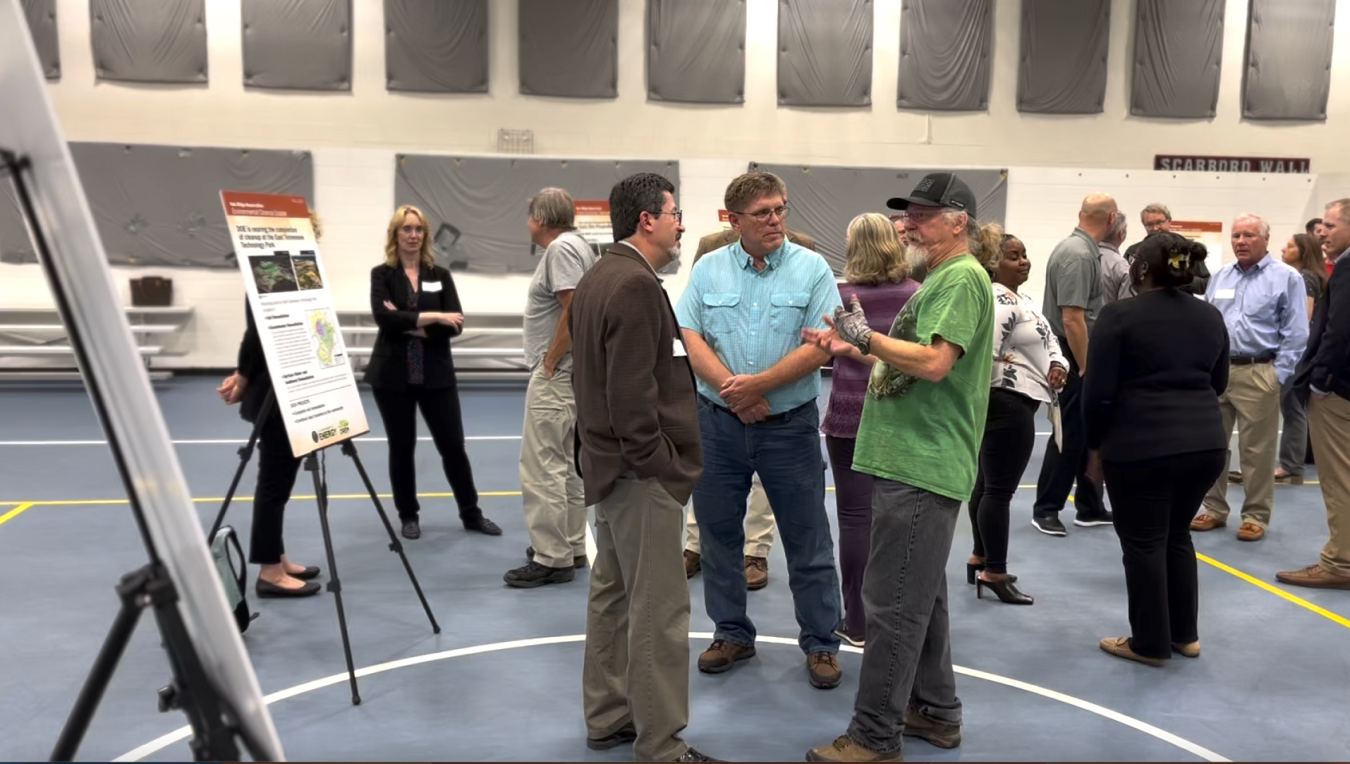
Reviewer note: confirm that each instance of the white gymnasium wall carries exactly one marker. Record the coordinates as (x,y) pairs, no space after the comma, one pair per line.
(354,137)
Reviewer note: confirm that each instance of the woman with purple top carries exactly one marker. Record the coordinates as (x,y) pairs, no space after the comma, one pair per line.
(875,271)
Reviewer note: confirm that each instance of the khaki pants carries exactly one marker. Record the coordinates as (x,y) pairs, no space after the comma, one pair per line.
(1253,400)
(636,666)
(759,524)
(1329,424)
(551,492)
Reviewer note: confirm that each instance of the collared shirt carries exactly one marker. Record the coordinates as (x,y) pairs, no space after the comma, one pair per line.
(1115,274)
(752,318)
(1073,278)
(1264,310)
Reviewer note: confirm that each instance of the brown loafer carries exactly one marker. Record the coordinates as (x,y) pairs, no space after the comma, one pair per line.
(1120,647)
(1314,576)
(1250,532)
(1282,477)
(1206,522)
(756,573)
(1235,477)
(693,563)
(1187,649)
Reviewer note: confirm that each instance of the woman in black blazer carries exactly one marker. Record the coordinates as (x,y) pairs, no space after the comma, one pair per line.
(418,311)
(1158,363)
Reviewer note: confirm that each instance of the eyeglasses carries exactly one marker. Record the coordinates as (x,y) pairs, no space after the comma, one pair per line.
(412,229)
(679,214)
(762,216)
(923,216)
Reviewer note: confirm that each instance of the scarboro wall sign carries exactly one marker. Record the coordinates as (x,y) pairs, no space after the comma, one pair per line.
(1196,163)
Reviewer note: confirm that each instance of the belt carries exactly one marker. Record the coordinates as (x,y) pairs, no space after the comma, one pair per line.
(770,418)
(1249,360)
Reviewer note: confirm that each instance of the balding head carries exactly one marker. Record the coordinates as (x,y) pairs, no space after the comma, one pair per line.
(1098,214)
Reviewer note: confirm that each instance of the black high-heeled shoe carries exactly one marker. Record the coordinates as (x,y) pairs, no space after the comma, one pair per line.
(1006,590)
(973,568)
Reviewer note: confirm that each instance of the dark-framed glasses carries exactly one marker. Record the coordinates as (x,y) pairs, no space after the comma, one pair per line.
(762,216)
(679,214)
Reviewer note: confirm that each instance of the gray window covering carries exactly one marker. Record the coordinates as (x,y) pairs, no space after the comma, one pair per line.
(1062,69)
(1288,70)
(41,16)
(476,206)
(149,40)
(944,54)
(825,52)
(1178,49)
(160,205)
(824,200)
(569,48)
(436,46)
(298,44)
(696,51)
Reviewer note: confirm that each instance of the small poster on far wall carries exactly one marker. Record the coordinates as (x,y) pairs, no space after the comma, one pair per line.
(1209,233)
(592,221)
(723,220)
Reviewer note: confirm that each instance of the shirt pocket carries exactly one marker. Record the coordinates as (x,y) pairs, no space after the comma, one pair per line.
(787,311)
(720,312)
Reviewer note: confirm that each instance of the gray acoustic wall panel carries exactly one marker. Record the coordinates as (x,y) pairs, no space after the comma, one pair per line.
(944,54)
(436,46)
(825,199)
(696,51)
(825,52)
(149,40)
(15,246)
(298,44)
(1062,66)
(41,16)
(569,48)
(1288,69)
(1178,51)
(160,205)
(476,206)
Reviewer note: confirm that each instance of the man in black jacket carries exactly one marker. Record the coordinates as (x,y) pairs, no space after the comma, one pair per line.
(1323,381)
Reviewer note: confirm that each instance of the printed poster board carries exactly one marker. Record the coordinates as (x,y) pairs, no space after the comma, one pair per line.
(592,221)
(312,378)
(1210,234)
(723,220)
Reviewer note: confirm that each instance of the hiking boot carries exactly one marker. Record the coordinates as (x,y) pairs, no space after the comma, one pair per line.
(932,731)
(822,668)
(844,748)
(534,575)
(578,561)
(721,655)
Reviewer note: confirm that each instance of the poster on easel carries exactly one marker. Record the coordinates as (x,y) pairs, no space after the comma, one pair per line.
(592,221)
(723,220)
(1209,233)
(312,378)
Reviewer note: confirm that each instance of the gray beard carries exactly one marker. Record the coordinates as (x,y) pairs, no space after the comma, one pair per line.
(674,265)
(916,257)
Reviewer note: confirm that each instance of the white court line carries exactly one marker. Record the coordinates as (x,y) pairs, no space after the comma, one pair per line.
(241,441)
(417,660)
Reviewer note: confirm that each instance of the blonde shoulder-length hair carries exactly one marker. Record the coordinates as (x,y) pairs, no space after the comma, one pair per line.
(391,237)
(875,254)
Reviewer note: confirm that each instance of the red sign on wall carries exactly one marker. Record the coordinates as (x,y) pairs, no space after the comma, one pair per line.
(1196,163)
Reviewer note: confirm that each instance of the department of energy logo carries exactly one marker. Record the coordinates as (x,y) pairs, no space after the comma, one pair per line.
(322,435)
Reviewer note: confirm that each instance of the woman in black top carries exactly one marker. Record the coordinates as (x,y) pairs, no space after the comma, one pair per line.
(1151,403)
(418,311)
(1304,253)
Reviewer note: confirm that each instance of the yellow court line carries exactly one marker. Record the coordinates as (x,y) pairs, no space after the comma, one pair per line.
(13,513)
(1277,591)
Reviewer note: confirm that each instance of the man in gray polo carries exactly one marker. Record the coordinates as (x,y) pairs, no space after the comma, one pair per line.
(1073,297)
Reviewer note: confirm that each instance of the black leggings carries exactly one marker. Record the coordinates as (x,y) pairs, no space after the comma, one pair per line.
(1009,434)
(277,468)
(440,409)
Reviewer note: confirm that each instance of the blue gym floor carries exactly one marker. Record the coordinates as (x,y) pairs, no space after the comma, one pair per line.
(504,683)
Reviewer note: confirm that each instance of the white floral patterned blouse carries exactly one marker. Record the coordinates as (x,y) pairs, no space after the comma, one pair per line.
(1024,346)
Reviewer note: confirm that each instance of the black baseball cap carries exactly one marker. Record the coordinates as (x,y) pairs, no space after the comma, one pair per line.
(938,189)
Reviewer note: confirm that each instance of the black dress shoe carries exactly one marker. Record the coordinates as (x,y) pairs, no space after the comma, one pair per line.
(411,530)
(579,561)
(482,525)
(268,589)
(625,734)
(308,573)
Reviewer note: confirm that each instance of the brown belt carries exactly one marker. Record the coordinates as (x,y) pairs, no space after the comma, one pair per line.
(1241,361)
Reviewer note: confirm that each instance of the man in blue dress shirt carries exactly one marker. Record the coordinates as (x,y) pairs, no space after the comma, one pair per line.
(1262,302)
(742,316)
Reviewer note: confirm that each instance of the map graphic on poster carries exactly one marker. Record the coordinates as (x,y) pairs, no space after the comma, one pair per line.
(283,272)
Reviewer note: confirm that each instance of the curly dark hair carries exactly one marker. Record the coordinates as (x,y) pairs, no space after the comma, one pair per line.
(1169,257)
(634,195)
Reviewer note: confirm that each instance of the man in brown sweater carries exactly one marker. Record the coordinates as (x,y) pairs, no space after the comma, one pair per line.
(640,455)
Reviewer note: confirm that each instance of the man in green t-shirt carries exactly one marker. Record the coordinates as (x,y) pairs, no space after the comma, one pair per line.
(920,436)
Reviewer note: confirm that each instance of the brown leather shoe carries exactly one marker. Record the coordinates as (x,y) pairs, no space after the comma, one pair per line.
(1314,576)
(1235,477)
(1282,477)
(1250,532)
(1120,647)
(844,748)
(721,655)
(756,572)
(1206,522)
(940,734)
(823,670)
(1187,649)
(692,563)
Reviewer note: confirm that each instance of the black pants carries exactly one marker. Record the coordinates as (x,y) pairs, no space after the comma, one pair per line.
(277,468)
(853,503)
(440,409)
(1154,502)
(1060,469)
(1009,435)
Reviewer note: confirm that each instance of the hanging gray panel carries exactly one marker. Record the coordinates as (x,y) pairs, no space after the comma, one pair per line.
(944,54)
(1062,68)
(1288,70)
(41,16)
(297,44)
(15,246)
(149,40)
(436,46)
(1178,49)
(476,206)
(824,52)
(824,200)
(569,48)
(696,51)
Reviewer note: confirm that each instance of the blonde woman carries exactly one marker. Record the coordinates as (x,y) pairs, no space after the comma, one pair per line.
(418,311)
(876,271)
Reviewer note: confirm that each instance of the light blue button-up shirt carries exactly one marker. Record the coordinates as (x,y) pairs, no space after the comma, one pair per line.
(752,318)
(1265,311)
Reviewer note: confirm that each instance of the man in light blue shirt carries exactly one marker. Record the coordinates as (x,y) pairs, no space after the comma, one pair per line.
(1262,302)
(741,316)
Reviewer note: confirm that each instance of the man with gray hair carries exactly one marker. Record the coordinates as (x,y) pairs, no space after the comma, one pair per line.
(1115,271)
(551,491)
(1263,306)
(1156,219)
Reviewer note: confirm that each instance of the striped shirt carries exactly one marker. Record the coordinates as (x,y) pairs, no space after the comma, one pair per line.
(752,318)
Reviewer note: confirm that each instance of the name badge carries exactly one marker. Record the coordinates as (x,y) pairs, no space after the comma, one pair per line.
(679,349)
(1225,294)
(435,286)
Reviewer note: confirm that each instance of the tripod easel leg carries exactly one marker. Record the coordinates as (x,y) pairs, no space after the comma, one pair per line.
(334,583)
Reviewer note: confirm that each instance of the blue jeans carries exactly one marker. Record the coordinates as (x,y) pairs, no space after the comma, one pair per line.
(786,454)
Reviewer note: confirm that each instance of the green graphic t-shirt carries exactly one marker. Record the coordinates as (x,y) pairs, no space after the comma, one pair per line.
(927,434)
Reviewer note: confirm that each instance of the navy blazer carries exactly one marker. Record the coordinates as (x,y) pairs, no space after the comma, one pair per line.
(1326,363)
(388,366)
